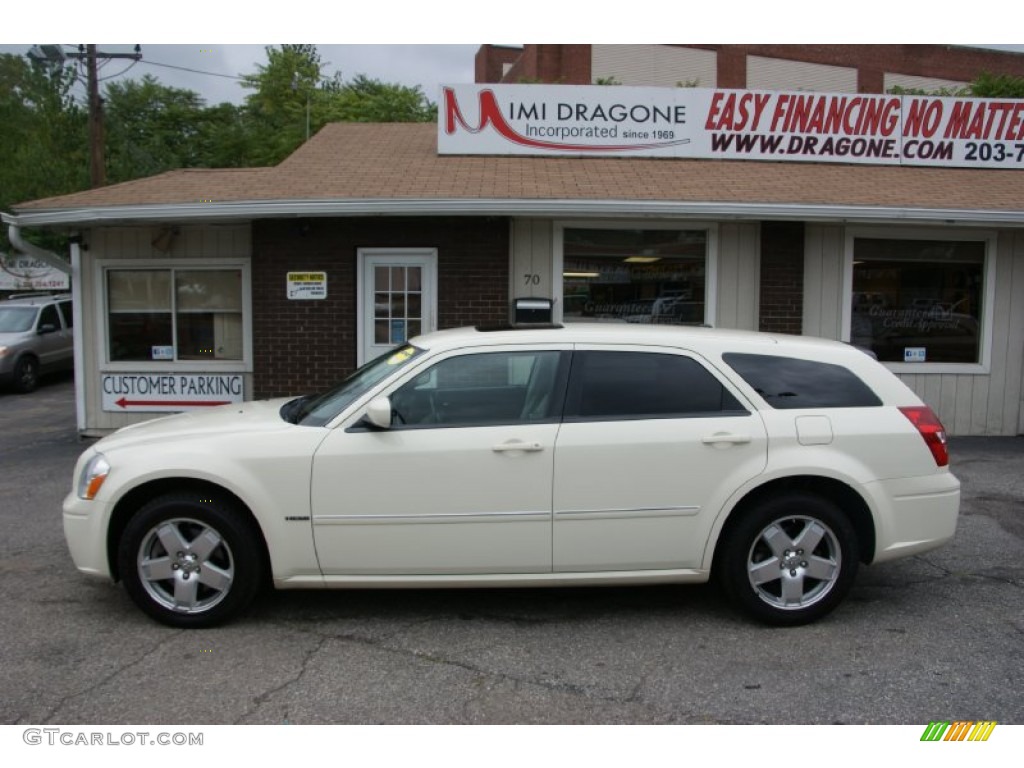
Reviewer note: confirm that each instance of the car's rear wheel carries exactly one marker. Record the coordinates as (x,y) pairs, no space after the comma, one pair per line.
(190,560)
(790,560)
(26,374)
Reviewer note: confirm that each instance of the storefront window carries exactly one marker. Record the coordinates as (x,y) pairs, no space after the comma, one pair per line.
(917,301)
(634,275)
(174,314)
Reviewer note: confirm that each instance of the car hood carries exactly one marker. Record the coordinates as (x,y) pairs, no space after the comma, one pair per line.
(11,337)
(262,416)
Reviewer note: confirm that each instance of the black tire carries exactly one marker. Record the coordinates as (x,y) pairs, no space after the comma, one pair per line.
(190,560)
(26,374)
(790,559)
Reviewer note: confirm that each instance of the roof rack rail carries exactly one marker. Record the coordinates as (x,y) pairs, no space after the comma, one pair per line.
(30,295)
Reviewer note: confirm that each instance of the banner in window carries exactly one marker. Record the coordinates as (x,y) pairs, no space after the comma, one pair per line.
(619,121)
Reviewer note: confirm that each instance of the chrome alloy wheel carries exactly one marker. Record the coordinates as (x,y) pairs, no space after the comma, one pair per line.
(794,562)
(185,565)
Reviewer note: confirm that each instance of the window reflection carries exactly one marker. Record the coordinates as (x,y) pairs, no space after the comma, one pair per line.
(635,276)
(918,300)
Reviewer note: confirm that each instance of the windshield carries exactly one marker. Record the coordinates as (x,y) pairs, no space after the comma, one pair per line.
(16,319)
(317,410)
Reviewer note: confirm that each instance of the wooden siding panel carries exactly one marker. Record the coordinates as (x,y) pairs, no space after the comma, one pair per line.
(823,281)
(1013,397)
(727,299)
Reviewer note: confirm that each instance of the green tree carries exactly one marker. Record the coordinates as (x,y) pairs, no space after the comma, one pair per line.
(992,86)
(44,149)
(277,107)
(292,92)
(152,128)
(44,146)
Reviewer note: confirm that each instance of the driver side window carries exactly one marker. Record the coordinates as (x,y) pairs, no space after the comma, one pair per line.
(488,388)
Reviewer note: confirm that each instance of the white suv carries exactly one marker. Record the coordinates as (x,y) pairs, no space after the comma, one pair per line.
(584,455)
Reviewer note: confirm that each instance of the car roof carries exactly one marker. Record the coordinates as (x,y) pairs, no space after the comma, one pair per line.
(34,300)
(698,339)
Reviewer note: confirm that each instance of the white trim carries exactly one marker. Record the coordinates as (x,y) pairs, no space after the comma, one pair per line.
(79,333)
(710,256)
(429,297)
(103,362)
(533,207)
(918,233)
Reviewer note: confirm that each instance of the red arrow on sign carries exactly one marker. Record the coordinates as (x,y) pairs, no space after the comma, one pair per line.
(124,403)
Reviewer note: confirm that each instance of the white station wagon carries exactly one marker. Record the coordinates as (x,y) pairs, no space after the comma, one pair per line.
(583,455)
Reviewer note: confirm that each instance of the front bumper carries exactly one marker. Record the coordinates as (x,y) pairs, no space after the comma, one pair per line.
(85,533)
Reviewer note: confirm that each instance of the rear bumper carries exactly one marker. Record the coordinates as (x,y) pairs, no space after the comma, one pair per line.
(914,514)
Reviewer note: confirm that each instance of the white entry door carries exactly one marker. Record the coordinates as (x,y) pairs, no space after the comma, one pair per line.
(397,297)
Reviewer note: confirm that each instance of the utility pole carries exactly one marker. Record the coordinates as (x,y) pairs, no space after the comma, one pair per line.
(97,169)
(97,165)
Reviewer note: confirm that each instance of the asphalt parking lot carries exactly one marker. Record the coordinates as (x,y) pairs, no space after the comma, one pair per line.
(935,637)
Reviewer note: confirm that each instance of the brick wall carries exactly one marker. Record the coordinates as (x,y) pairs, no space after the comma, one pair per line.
(571,64)
(782,277)
(562,64)
(307,346)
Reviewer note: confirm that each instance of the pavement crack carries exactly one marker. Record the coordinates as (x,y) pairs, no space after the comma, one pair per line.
(100,683)
(259,700)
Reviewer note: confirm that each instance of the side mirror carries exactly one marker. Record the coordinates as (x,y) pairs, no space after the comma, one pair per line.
(47,328)
(378,412)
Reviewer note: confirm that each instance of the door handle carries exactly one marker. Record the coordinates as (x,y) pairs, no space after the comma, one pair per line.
(724,438)
(517,445)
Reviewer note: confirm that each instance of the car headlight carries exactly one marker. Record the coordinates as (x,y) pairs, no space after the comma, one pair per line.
(4,351)
(92,477)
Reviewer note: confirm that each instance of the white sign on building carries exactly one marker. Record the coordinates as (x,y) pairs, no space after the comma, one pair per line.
(709,123)
(156,392)
(23,273)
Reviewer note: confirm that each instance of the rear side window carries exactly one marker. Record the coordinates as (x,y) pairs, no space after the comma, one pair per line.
(642,385)
(786,382)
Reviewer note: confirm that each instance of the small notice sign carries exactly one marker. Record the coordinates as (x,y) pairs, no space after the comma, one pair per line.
(307,285)
(914,354)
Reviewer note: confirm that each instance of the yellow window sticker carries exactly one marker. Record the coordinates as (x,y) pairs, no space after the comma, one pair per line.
(401,356)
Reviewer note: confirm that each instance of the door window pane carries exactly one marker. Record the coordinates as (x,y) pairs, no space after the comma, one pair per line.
(487,388)
(640,385)
(635,276)
(918,300)
(397,304)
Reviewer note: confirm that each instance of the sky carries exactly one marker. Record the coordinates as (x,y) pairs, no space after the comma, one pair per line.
(428,44)
(217,67)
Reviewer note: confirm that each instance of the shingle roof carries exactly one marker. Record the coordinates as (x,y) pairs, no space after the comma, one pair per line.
(368,161)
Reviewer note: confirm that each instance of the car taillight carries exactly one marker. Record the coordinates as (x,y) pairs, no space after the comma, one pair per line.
(931,429)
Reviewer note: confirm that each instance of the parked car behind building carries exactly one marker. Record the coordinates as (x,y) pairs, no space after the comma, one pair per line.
(36,338)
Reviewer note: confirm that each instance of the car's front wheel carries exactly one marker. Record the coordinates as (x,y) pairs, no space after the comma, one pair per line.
(790,559)
(190,560)
(26,374)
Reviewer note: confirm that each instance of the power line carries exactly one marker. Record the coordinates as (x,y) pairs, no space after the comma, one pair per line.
(188,69)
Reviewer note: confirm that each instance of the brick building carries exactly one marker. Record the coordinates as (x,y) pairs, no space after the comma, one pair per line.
(835,68)
(198,286)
